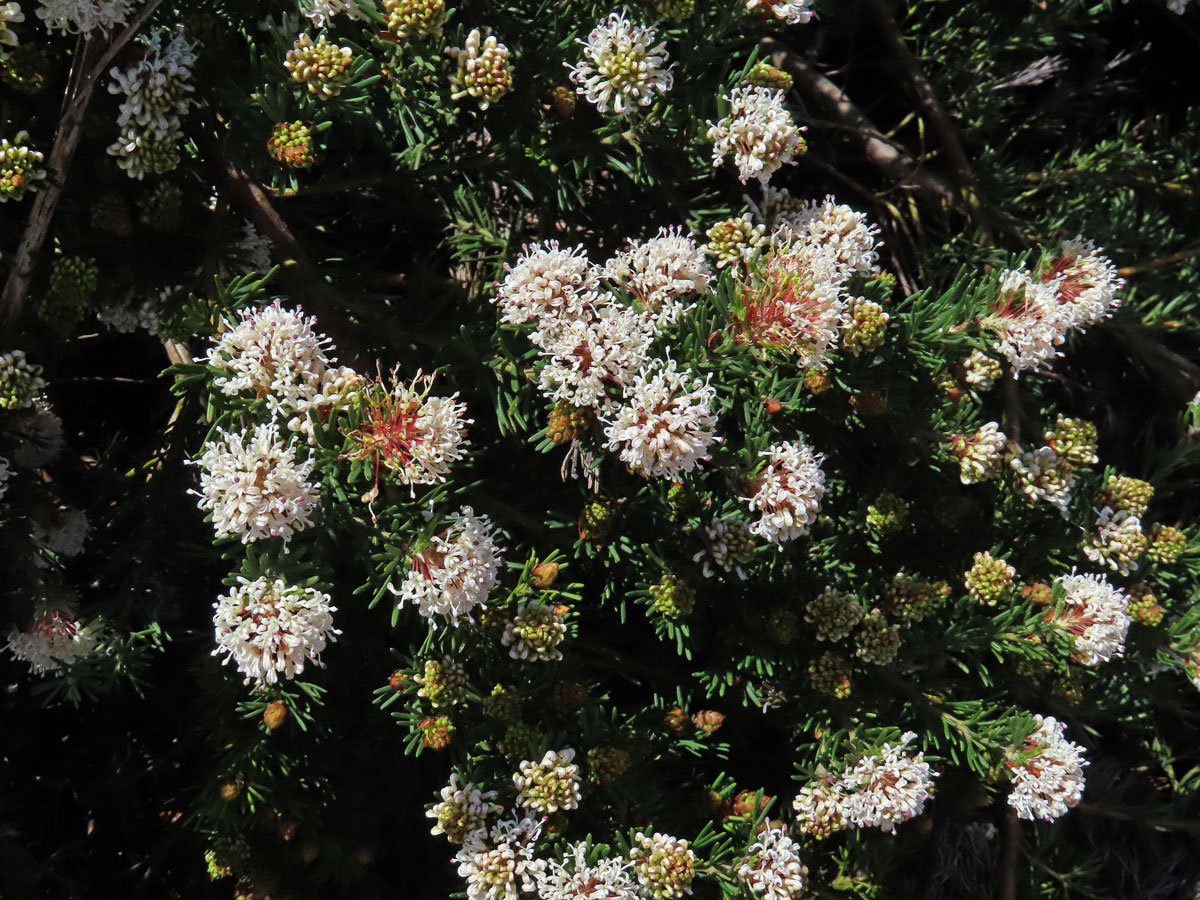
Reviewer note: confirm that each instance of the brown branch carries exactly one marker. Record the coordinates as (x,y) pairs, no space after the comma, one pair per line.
(1007,886)
(85,76)
(960,167)
(299,276)
(1012,408)
(1161,262)
(821,93)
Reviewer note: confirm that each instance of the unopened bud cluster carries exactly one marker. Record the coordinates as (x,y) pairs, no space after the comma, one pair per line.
(20,168)
(865,326)
(887,514)
(878,642)
(1167,544)
(549,785)
(73,281)
(291,145)
(1074,440)
(437,732)
(735,241)
(20,382)
(665,866)
(442,682)
(568,422)
(830,674)
(835,613)
(322,67)
(763,74)
(1131,495)
(596,521)
(535,632)
(606,764)
(161,208)
(989,580)
(483,73)
(980,455)
(1144,607)
(912,599)
(980,371)
(673,597)
(503,704)
(674,10)
(415,18)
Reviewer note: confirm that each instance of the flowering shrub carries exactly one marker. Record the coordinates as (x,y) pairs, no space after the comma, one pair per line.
(633,524)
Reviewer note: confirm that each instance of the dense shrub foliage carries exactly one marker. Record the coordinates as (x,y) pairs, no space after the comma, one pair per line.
(529,448)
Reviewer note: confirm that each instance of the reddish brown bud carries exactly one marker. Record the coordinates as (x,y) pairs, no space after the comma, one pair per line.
(676,720)
(709,720)
(772,406)
(274,714)
(544,574)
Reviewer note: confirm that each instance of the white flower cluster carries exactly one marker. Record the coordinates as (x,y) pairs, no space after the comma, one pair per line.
(727,546)
(590,342)
(759,132)
(534,632)
(463,809)
(980,455)
(545,282)
(788,493)
(1118,540)
(255,486)
(665,423)
(1044,477)
(821,807)
(576,879)
(658,272)
(549,785)
(771,868)
(272,353)
(413,434)
(9,12)
(128,317)
(796,303)
(252,253)
(881,790)
(64,535)
(844,233)
(267,627)
(794,12)
(155,90)
(621,66)
(499,863)
(1047,773)
(321,11)
(603,344)
(53,642)
(1036,312)
(665,865)
(1095,614)
(453,573)
(83,16)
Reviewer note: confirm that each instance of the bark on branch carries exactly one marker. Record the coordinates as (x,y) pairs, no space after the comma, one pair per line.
(94,56)
(947,135)
(822,94)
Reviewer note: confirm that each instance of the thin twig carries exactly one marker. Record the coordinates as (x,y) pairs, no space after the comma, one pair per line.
(1012,408)
(1161,262)
(1007,887)
(818,91)
(960,166)
(78,95)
